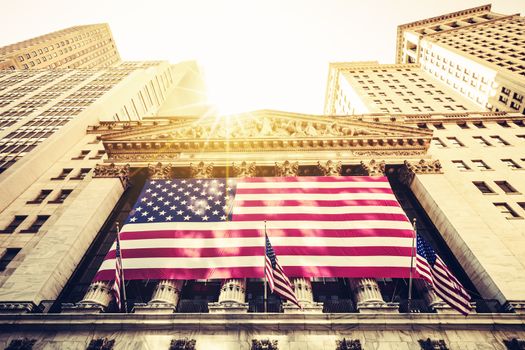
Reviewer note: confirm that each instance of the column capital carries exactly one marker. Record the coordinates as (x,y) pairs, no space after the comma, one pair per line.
(373,167)
(164,299)
(244,169)
(330,168)
(160,171)
(287,168)
(113,170)
(201,170)
(423,166)
(96,300)
(231,298)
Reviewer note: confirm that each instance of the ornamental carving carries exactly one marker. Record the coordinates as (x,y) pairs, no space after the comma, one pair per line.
(160,171)
(286,168)
(515,344)
(183,344)
(373,167)
(113,170)
(244,169)
(408,172)
(344,344)
(330,168)
(101,344)
(430,344)
(389,153)
(201,170)
(264,344)
(21,344)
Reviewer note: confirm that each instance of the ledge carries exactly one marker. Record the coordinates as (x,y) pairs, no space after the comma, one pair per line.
(264,322)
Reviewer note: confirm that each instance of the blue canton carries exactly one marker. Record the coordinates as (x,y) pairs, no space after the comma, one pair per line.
(425,250)
(184,200)
(270,253)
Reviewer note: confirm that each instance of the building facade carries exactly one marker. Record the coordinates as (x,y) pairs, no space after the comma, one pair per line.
(76,47)
(455,166)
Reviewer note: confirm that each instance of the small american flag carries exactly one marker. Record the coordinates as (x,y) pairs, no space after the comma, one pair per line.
(118,273)
(432,269)
(277,280)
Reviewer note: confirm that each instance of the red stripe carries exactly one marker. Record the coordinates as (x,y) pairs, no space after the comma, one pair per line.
(259,252)
(316,179)
(159,234)
(256,272)
(318,190)
(317,203)
(319,217)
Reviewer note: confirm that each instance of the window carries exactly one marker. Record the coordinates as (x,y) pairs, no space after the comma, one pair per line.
(99,155)
(65,172)
(61,197)
(479,125)
(478,163)
(36,225)
(81,174)
(82,155)
(483,187)
(463,125)
(439,126)
(499,140)
(511,164)
(522,205)
(460,165)
(506,210)
(455,142)
(503,124)
(40,198)
(438,143)
(481,140)
(9,255)
(520,123)
(506,187)
(14,224)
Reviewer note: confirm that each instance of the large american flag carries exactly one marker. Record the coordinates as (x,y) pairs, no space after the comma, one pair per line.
(333,226)
(433,269)
(277,279)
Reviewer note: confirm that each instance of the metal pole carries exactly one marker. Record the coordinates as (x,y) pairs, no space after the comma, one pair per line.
(122,272)
(411,264)
(265,297)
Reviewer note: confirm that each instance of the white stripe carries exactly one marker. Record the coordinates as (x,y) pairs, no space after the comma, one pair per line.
(318,210)
(272,225)
(249,261)
(314,196)
(237,242)
(313,184)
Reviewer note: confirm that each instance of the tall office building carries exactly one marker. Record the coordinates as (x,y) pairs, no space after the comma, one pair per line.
(454,166)
(479,53)
(76,47)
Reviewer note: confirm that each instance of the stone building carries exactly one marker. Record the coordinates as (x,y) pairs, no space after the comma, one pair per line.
(457,171)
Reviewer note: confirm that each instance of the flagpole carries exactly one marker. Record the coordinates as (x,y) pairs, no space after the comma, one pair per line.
(122,272)
(265,297)
(411,264)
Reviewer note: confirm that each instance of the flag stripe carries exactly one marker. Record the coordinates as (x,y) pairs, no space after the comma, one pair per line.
(271,190)
(370,210)
(370,180)
(316,203)
(317,217)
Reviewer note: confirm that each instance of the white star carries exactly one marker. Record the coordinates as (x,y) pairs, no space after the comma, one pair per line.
(174,185)
(154,194)
(180,212)
(186,218)
(215,212)
(162,212)
(164,190)
(203,193)
(205,218)
(183,181)
(148,190)
(190,185)
(199,181)
(170,194)
(198,212)
(168,182)
(167,203)
(210,198)
(143,199)
(196,189)
(207,207)
(228,189)
(160,199)
(186,193)
(177,198)
(151,218)
(183,202)
(205,184)
(156,208)
(180,189)
(169,217)
(153,182)
(138,208)
(223,217)
(133,219)
(217,202)
(221,185)
(193,198)
(158,186)
(145,213)
(190,207)
(173,207)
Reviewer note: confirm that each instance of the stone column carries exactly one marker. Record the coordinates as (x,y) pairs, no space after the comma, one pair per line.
(366,291)
(433,301)
(166,294)
(232,297)
(99,295)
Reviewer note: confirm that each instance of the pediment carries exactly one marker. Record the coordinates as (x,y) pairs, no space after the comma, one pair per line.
(266,130)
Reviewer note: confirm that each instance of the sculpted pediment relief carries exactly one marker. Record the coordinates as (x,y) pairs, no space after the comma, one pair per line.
(267,130)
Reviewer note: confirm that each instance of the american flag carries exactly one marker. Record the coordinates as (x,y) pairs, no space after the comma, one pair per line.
(277,280)
(118,274)
(433,270)
(333,226)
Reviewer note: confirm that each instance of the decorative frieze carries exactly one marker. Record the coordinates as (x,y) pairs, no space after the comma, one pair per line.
(430,344)
(286,168)
(330,168)
(160,171)
(424,166)
(113,170)
(18,307)
(373,167)
(101,344)
(518,306)
(21,344)
(201,170)
(183,344)
(244,169)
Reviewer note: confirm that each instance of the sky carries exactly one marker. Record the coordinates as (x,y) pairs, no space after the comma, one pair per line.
(268,54)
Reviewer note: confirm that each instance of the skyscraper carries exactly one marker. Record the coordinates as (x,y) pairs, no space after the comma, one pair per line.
(477,52)
(76,47)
